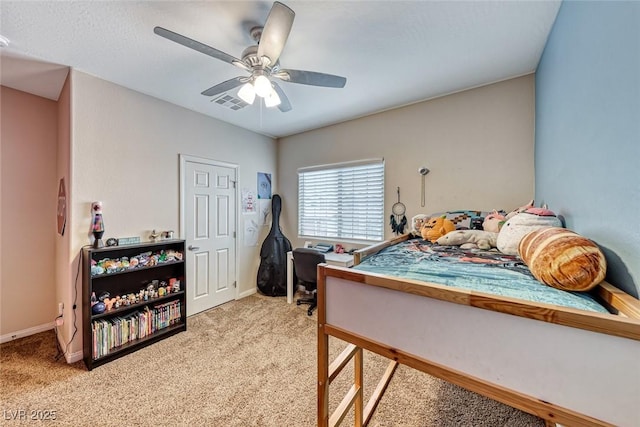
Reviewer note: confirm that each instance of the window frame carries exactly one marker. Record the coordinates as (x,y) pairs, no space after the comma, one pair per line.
(351,169)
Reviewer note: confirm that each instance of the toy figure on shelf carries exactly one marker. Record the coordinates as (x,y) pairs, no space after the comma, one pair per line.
(97,224)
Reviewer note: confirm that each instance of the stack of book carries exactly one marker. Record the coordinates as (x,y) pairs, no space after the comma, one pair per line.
(109,334)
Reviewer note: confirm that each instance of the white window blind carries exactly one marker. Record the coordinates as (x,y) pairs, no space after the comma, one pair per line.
(342,201)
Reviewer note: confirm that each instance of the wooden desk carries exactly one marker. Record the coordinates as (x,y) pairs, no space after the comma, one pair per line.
(332,258)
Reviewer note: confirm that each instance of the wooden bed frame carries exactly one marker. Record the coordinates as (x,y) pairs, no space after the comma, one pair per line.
(567,366)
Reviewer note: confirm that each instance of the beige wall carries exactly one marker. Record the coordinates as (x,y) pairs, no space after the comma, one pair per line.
(125,148)
(64,266)
(478,145)
(122,147)
(29,201)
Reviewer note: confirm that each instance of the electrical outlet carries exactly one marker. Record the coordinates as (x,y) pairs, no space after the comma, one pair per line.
(60,308)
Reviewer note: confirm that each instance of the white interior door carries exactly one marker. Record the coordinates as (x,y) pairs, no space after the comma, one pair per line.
(208,224)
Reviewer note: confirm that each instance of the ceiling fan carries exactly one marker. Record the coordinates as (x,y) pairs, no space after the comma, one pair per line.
(261,62)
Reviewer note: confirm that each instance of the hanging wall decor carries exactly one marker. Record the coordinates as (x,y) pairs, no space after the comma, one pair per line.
(423,171)
(62,207)
(398,220)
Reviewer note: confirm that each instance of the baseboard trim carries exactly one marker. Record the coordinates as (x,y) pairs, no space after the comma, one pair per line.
(26,332)
(247,293)
(74,357)
(70,358)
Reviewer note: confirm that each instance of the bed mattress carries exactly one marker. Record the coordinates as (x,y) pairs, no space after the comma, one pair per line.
(487,271)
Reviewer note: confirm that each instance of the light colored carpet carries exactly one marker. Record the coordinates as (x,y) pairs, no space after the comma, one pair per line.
(250,362)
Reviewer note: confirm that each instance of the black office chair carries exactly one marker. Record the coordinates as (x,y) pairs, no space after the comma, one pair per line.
(305,262)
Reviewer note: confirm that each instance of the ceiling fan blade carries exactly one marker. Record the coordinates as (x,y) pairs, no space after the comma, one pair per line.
(310,78)
(200,47)
(285,105)
(225,86)
(275,32)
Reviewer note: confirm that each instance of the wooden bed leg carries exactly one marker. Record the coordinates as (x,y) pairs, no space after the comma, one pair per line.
(548,423)
(323,386)
(359,404)
(323,354)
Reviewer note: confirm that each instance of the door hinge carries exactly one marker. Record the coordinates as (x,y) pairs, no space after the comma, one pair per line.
(234,283)
(234,184)
(234,234)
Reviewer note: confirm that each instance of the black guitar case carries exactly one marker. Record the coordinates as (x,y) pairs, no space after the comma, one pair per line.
(272,273)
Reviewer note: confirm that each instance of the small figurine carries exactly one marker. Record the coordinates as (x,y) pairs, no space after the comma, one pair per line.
(98,307)
(96,270)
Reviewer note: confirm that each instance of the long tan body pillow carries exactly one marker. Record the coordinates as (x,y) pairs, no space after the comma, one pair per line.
(563,259)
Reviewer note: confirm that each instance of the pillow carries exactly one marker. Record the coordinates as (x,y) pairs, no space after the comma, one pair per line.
(563,259)
(519,225)
(463,219)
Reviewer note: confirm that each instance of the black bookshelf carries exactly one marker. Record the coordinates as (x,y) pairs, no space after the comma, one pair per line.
(143,318)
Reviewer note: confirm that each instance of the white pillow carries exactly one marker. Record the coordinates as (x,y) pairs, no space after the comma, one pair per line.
(522,224)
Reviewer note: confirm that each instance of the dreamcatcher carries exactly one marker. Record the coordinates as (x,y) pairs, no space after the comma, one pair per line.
(398,219)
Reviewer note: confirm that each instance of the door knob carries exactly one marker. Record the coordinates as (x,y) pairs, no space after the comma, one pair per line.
(193,248)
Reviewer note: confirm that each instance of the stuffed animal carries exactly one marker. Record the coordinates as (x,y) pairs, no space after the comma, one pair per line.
(519,210)
(493,222)
(435,228)
(523,223)
(469,239)
(417,222)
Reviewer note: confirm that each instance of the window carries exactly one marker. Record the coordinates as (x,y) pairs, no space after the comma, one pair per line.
(342,201)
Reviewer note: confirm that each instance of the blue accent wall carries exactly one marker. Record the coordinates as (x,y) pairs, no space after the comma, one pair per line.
(587,152)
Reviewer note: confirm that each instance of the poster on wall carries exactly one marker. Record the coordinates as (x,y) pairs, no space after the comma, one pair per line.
(264,185)
(62,207)
(264,212)
(248,201)
(251,233)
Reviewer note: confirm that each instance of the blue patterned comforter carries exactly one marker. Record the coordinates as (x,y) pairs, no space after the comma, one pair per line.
(490,272)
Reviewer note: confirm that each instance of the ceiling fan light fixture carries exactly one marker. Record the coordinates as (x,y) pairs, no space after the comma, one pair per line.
(272,100)
(262,86)
(261,61)
(247,93)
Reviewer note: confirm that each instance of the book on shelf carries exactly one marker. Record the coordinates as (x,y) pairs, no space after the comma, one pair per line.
(109,334)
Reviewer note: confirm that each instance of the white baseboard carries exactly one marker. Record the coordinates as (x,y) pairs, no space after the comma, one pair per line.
(247,293)
(26,332)
(73,357)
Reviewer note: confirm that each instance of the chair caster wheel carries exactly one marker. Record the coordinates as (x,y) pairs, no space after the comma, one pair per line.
(298,302)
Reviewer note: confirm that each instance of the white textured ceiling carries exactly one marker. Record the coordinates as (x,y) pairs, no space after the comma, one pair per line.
(392,53)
